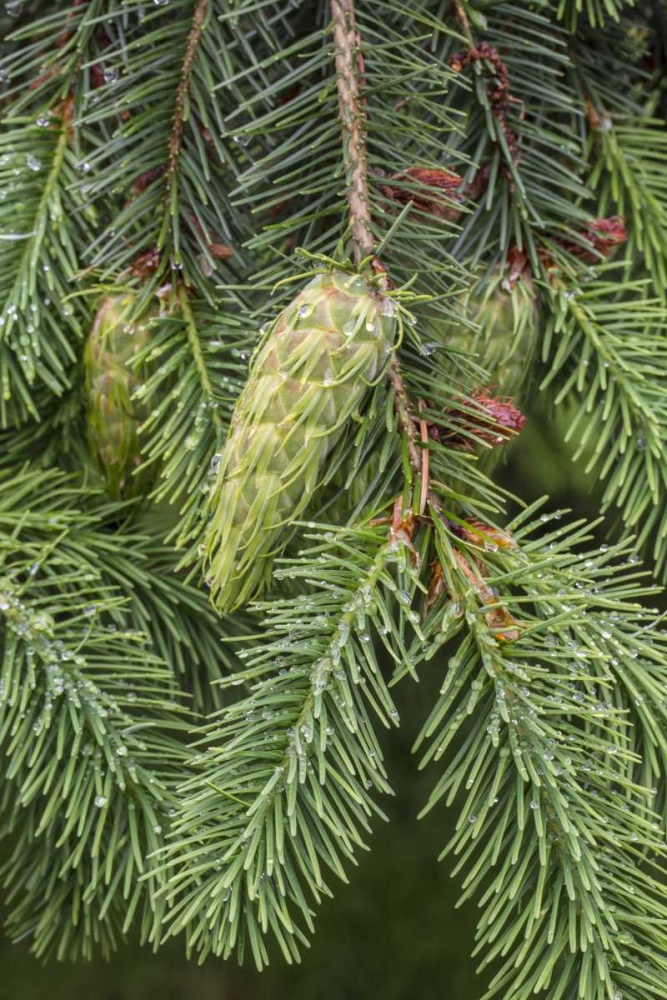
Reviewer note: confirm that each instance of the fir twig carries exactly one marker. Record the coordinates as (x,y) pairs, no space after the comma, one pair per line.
(199,16)
(348,56)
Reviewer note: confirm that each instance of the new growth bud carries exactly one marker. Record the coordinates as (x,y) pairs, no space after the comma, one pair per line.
(431,190)
(484,417)
(499,329)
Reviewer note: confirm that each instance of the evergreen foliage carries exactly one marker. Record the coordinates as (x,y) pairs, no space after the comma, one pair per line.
(446,183)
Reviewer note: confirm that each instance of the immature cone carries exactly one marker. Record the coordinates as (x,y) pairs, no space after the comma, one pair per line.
(308,379)
(505,314)
(114,416)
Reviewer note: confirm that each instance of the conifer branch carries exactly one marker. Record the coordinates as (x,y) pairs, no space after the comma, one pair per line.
(203,126)
(282,789)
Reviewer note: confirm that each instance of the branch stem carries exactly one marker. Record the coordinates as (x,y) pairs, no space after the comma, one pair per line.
(198,357)
(180,103)
(353,124)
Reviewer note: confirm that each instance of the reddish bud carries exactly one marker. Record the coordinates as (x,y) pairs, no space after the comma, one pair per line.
(503,624)
(490,537)
(147,178)
(602,235)
(97,76)
(493,419)
(146,263)
(607,234)
(436,588)
(518,267)
(220,251)
(430,189)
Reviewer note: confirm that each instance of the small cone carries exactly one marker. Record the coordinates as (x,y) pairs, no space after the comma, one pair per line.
(114,416)
(308,379)
(505,341)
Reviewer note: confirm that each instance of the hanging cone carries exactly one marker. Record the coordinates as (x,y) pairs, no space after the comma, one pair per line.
(114,416)
(307,380)
(505,314)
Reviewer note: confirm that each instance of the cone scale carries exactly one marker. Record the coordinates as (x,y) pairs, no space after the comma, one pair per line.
(308,379)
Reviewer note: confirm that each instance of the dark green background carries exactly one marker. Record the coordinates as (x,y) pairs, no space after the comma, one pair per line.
(394,932)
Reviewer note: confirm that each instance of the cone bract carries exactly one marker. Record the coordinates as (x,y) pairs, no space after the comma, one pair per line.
(114,416)
(307,380)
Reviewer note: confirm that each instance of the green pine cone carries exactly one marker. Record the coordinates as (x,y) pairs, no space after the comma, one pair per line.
(307,380)
(113,415)
(504,343)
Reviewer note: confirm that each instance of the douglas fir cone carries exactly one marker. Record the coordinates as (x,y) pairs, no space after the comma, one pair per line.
(307,380)
(114,416)
(503,330)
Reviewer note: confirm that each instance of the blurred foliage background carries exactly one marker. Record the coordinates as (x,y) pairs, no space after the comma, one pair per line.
(393,932)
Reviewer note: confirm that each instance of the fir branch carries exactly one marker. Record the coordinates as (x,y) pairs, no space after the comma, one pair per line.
(545,766)
(604,360)
(87,726)
(47,218)
(282,790)
(176,221)
(39,256)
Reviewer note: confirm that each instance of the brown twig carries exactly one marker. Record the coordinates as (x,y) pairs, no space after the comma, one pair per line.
(408,427)
(498,87)
(353,123)
(178,125)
